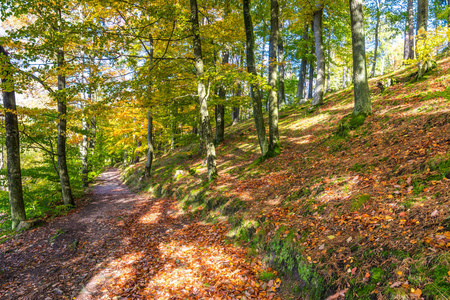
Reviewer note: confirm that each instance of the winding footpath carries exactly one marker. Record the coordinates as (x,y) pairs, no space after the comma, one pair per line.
(123,245)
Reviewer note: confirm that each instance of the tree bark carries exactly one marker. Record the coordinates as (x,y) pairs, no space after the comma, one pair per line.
(220,109)
(66,190)
(203,94)
(302,73)
(422,27)
(151,150)
(361,86)
(377,26)
(311,74)
(12,144)
(84,152)
(281,71)
(344,77)
(254,89)
(320,56)
(273,102)
(409,33)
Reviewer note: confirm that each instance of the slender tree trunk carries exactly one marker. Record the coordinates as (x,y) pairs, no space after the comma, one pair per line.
(12,144)
(281,71)
(84,152)
(328,89)
(151,150)
(361,86)
(409,33)
(235,109)
(273,102)
(220,109)
(344,77)
(66,190)
(311,75)
(422,27)
(203,94)
(254,89)
(302,73)
(377,26)
(320,55)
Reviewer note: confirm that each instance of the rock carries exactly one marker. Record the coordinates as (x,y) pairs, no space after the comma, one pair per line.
(28,224)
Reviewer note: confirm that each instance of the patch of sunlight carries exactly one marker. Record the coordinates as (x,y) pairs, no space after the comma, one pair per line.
(305,123)
(247,147)
(440,104)
(195,269)
(119,271)
(302,139)
(153,215)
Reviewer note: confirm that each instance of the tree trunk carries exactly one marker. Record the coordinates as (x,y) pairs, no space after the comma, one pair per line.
(377,26)
(236,109)
(220,109)
(361,86)
(422,25)
(273,102)
(302,73)
(281,71)
(320,55)
(328,62)
(12,145)
(203,94)
(254,89)
(151,151)
(311,75)
(66,190)
(344,77)
(84,152)
(409,33)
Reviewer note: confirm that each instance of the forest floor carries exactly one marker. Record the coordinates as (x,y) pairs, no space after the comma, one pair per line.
(122,245)
(350,208)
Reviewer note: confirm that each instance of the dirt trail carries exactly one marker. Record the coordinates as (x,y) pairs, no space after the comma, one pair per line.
(127,246)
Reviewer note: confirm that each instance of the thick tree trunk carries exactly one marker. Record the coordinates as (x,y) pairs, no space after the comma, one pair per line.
(203,94)
(361,86)
(377,27)
(12,145)
(320,55)
(151,151)
(422,27)
(254,89)
(281,71)
(409,33)
(273,102)
(66,190)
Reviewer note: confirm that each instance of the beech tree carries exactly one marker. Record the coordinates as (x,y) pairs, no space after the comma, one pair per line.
(274,142)
(361,85)
(203,94)
(12,141)
(254,89)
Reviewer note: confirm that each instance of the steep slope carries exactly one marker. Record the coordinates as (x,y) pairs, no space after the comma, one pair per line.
(350,206)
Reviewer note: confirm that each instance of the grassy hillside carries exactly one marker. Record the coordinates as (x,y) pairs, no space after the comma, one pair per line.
(359,207)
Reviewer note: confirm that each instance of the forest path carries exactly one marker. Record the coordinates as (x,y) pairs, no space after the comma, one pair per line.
(126,246)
